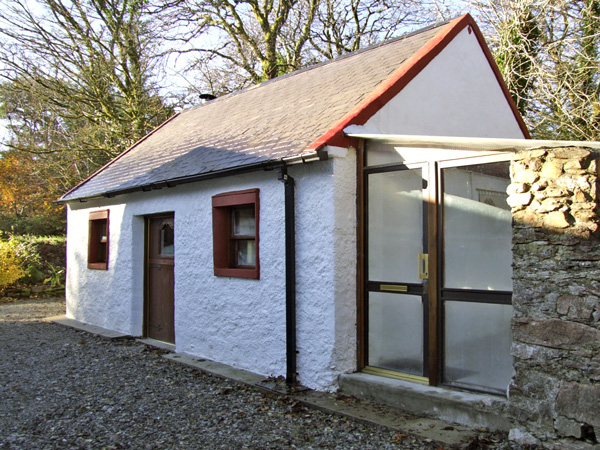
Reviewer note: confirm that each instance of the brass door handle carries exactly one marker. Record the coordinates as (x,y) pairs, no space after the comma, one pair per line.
(423,266)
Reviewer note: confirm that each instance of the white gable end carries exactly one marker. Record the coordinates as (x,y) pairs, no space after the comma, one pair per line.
(456,94)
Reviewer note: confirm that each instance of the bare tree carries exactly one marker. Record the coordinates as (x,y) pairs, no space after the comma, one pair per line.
(80,79)
(248,34)
(344,26)
(256,40)
(548,52)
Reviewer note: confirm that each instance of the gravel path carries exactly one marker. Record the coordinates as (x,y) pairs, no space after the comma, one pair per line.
(65,389)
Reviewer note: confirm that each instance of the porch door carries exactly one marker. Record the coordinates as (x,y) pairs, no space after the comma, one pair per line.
(476,280)
(437,267)
(160,265)
(397,299)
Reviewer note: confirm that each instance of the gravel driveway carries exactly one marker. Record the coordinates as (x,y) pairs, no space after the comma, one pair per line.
(65,389)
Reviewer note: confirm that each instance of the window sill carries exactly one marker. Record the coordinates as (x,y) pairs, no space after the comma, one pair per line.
(237,273)
(98,265)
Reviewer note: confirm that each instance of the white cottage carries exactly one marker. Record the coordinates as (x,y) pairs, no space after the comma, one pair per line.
(278,230)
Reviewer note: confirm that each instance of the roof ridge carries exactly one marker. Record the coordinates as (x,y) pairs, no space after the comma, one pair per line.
(245,131)
(394,83)
(357,52)
(318,65)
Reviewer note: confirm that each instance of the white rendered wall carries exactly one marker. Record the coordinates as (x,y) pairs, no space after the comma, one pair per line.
(456,94)
(239,322)
(326,269)
(99,297)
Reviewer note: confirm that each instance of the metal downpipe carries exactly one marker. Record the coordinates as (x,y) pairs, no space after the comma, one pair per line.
(290,276)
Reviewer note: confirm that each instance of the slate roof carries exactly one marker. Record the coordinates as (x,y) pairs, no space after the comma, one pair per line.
(263,124)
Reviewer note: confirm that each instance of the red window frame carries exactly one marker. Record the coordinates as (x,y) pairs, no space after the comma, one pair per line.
(98,240)
(223,241)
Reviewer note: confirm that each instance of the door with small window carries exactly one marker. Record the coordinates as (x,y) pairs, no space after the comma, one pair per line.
(160,271)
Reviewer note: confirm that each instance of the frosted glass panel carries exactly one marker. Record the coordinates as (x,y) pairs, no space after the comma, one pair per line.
(395,225)
(477,228)
(396,332)
(477,345)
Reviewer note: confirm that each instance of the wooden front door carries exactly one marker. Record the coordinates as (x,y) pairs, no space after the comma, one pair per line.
(160,265)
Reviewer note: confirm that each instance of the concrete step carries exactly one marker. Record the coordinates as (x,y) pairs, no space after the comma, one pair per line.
(465,408)
(158,344)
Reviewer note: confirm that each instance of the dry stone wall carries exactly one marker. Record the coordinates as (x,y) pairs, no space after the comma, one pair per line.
(554,396)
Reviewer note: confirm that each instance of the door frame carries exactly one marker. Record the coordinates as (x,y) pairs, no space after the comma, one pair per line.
(423,289)
(146,308)
(433,212)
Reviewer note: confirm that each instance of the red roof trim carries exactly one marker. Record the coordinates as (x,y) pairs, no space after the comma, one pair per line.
(403,75)
(143,138)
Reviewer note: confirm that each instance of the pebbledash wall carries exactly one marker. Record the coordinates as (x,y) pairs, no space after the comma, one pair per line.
(554,396)
(238,322)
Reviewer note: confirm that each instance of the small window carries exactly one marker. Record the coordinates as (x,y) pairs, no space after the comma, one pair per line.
(98,240)
(167,239)
(235,234)
(243,237)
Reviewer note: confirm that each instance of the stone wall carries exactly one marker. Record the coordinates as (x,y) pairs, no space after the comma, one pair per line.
(555,392)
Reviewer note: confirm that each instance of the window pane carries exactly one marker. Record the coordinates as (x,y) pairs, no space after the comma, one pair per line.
(102,230)
(167,241)
(101,253)
(246,253)
(477,228)
(243,222)
(395,225)
(99,230)
(396,332)
(477,345)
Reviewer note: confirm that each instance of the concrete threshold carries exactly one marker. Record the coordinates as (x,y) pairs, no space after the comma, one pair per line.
(92,329)
(158,344)
(466,408)
(365,411)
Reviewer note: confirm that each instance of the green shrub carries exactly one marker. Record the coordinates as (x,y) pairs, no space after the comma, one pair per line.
(41,258)
(38,225)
